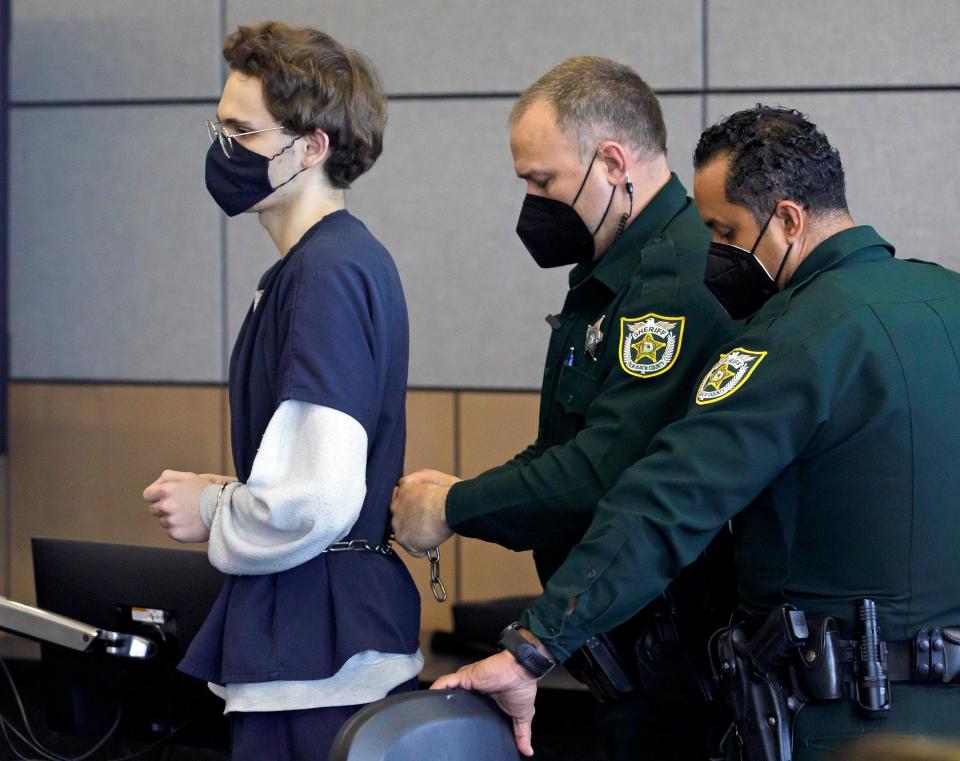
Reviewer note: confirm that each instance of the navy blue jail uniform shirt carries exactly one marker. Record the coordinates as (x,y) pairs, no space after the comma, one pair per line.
(330,328)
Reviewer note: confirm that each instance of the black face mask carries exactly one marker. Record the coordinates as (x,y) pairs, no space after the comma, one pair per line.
(240,181)
(737,278)
(554,233)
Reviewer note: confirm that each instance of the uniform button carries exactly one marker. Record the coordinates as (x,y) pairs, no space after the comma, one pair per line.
(656,240)
(591,574)
(547,371)
(552,630)
(570,399)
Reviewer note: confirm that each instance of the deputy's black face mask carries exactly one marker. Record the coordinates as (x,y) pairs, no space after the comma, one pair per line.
(737,278)
(554,233)
(240,181)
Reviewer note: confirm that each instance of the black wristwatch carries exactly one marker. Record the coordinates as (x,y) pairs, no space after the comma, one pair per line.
(538,666)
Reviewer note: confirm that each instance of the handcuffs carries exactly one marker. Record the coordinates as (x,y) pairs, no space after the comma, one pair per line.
(432,554)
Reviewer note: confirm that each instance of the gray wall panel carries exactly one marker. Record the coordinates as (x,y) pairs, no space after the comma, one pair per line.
(89,270)
(104,49)
(464,45)
(782,43)
(901,170)
(684,118)
(444,200)
(114,246)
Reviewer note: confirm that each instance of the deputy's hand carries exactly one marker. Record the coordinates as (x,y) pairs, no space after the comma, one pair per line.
(508,683)
(419,515)
(429,476)
(174,498)
(217,479)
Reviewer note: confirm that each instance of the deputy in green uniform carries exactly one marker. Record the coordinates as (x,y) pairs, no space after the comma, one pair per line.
(840,401)
(637,325)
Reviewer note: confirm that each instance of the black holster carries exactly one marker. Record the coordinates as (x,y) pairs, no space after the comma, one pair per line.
(653,654)
(599,665)
(662,651)
(751,673)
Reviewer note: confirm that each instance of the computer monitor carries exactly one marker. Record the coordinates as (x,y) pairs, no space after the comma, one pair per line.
(164,594)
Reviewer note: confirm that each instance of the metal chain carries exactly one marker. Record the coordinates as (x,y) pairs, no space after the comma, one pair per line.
(362,545)
(436,585)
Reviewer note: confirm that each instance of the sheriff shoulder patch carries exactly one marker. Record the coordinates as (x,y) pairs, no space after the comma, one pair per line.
(649,345)
(728,374)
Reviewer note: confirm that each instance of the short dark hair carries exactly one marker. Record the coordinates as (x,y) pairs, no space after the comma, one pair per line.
(599,99)
(775,154)
(311,81)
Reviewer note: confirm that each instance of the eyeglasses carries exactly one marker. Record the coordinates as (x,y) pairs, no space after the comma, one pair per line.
(216,132)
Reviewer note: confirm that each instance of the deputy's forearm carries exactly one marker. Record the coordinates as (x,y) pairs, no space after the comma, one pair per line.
(546,502)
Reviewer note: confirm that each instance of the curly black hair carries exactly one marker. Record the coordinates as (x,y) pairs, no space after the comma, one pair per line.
(776,154)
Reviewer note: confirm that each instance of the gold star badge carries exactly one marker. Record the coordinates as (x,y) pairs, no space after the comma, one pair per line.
(729,373)
(655,339)
(647,347)
(719,376)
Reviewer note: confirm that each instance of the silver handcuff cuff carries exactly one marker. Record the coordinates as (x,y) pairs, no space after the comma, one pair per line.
(437,587)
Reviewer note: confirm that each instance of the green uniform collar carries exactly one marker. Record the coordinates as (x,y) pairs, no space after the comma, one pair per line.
(619,262)
(835,249)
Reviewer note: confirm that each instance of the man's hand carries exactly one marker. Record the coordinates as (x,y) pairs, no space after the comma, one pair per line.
(174,498)
(430,476)
(508,683)
(419,515)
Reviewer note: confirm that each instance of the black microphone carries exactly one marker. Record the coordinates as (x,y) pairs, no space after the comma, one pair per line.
(622,224)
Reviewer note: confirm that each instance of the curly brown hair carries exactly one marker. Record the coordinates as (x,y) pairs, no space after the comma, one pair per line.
(310,81)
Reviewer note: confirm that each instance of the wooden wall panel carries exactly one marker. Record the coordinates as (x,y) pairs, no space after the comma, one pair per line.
(430,431)
(80,456)
(493,428)
(430,444)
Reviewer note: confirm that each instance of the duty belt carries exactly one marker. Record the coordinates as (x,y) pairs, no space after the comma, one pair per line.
(828,663)
(790,661)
